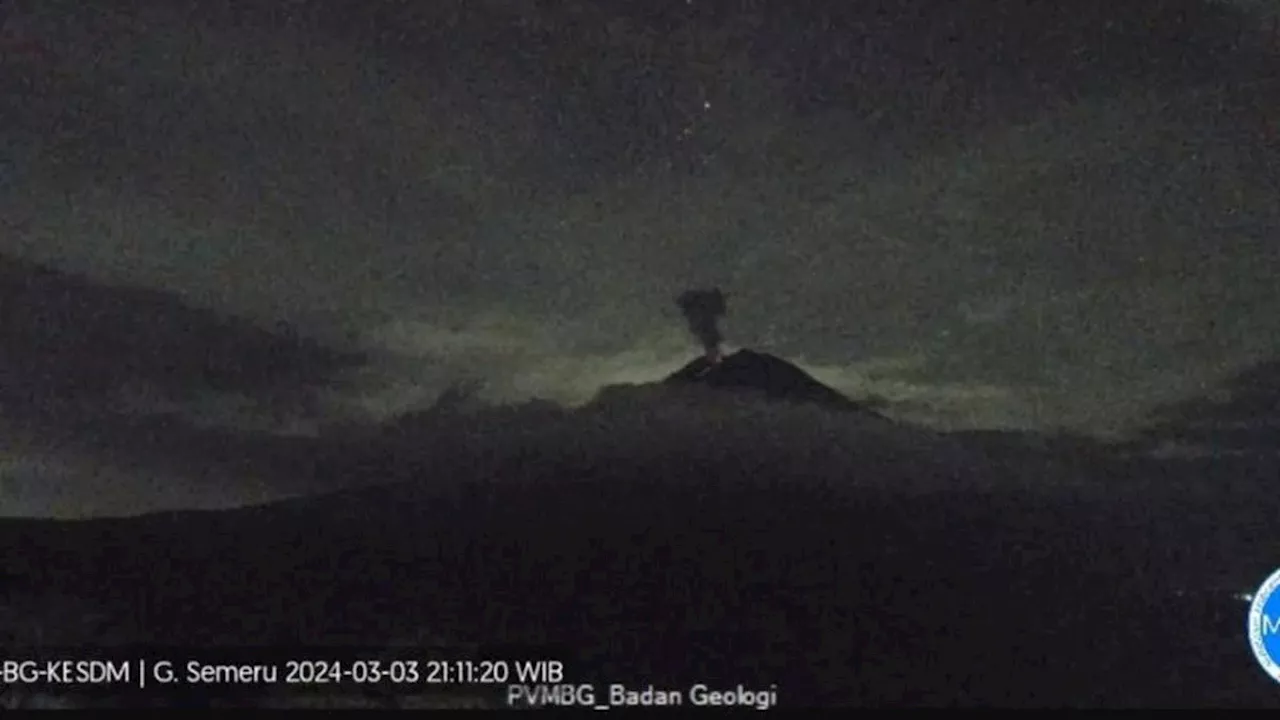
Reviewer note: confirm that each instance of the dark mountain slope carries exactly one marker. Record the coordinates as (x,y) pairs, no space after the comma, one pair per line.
(676,568)
(66,337)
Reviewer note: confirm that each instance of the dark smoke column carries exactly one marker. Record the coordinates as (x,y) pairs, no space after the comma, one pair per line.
(703,309)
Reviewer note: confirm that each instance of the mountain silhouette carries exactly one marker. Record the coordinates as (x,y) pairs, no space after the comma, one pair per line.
(1241,416)
(108,389)
(69,337)
(775,378)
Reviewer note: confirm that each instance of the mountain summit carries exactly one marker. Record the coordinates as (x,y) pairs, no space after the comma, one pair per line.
(767,374)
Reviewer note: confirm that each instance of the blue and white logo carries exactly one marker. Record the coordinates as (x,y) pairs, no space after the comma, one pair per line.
(1264,626)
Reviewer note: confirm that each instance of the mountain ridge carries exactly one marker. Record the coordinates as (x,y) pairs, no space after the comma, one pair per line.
(760,372)
(68,336)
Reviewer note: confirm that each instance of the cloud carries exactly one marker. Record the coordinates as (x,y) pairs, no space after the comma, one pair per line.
(516,358)
(520,359)
(253,170)
(286,176)
(981,312)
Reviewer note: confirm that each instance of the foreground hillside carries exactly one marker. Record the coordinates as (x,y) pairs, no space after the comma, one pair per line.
(845,561)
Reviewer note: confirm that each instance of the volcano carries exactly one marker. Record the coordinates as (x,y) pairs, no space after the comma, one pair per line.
(769,375)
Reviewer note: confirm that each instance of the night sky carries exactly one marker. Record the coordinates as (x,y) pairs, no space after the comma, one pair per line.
(994,215)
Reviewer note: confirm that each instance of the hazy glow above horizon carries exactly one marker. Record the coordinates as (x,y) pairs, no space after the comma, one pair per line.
(1066,270)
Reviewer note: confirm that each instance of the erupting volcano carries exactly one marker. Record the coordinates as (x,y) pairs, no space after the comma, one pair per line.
(745,370)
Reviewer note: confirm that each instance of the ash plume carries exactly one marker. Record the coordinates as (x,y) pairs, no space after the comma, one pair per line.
(703,310)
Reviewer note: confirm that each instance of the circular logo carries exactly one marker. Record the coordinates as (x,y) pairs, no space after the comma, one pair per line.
(1264,626)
